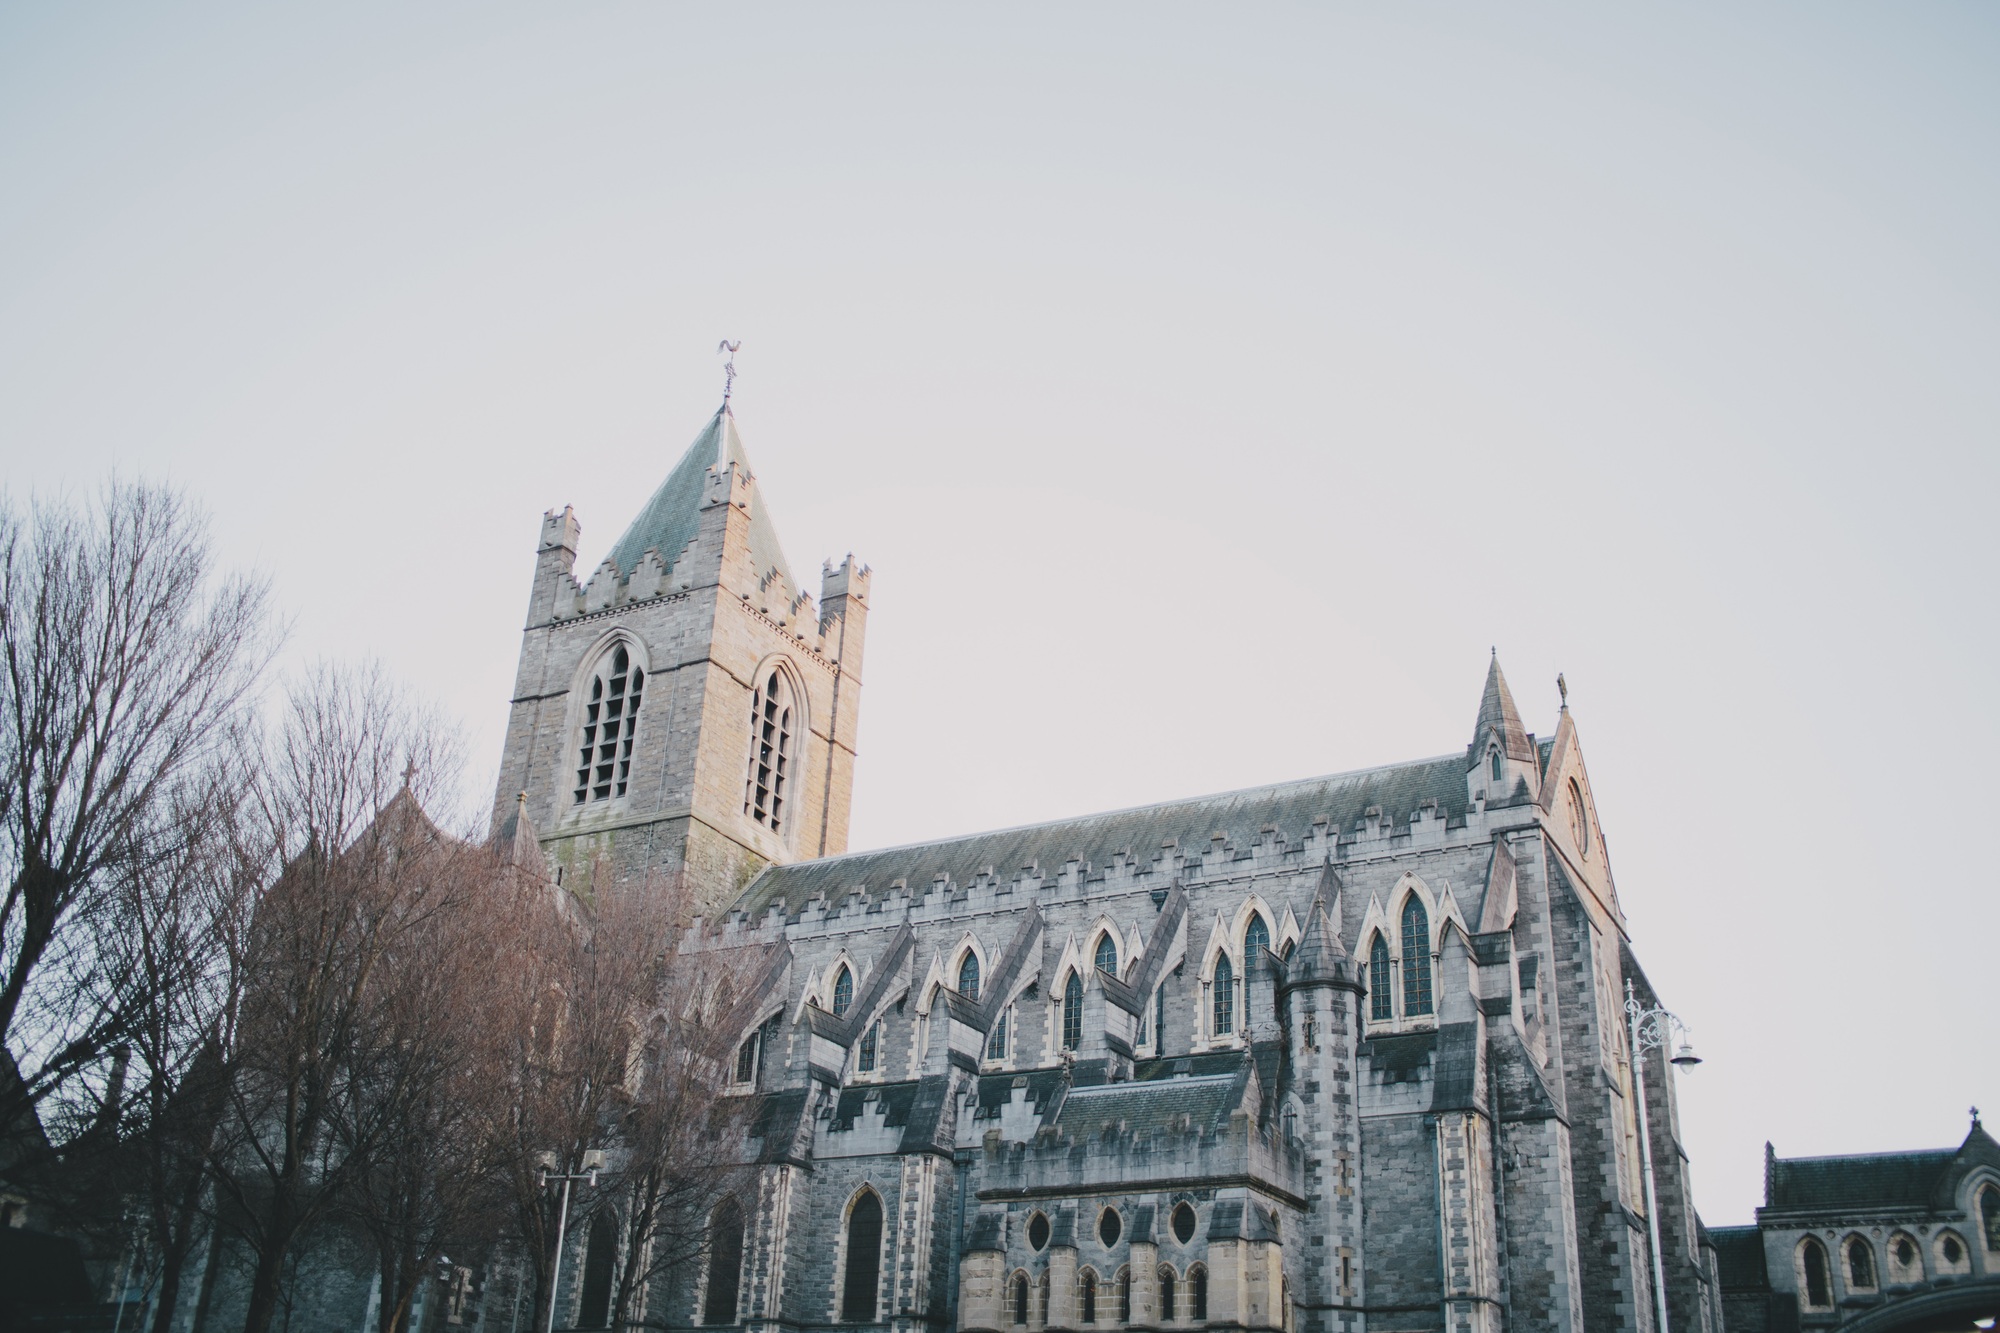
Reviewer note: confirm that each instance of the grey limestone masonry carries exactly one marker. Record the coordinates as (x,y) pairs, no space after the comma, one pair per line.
(1331,1056)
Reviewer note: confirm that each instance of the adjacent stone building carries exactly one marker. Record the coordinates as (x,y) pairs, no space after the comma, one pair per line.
(1327,1056)
(1869,1243)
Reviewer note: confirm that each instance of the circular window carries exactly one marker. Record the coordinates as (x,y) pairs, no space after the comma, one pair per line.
(1109,1227)
(1038,1231)
(1183,1224)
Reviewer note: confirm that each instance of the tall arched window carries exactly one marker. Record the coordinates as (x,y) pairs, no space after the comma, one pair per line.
(1819,1284)
(1381,1007)
(996,1041)
(968,975)
(1021,1298)
(863,1273)
(1072,1013)
(1225,997)
(1198,1293)
(1166,1294)
(1416,958)
(1493,762)
(1125,1295)
(1107,954)
(1256,939)
(773,716)
(725,1263)
(1086,1291)
(604,753)
(599,1256)
(1160,1021)
(1989,1217)
(843,992)
(1860,1264)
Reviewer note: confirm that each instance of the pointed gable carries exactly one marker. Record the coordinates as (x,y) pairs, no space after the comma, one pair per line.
(1499,717)
(672,517)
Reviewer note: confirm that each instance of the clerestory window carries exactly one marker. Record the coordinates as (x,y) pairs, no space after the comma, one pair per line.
(1256,940)
(773,721)
(968,975)
(1381,1006)
(604,752)
(843,992)
(1107,954)
(1225,997)
(1072,1013)
(1416,958)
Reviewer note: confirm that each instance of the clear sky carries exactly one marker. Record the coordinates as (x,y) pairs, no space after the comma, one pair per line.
(1208,387)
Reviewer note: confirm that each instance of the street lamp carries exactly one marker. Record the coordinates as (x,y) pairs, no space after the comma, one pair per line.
(593,1162)
(1653,1030)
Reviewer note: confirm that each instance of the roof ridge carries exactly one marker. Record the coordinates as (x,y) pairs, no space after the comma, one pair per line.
(1290,785)
(1870,1156)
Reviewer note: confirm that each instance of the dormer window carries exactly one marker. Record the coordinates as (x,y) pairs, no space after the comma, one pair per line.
(773,714)
(604,753)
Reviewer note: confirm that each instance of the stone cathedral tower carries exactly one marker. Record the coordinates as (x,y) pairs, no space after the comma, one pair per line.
(690,706)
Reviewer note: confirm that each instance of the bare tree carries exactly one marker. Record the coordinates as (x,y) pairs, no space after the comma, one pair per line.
(348,886)
(437,1077)
(591,980)
(124,663)
(676,1139)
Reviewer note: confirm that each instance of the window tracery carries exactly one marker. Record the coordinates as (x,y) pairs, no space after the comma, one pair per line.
(1072,1013)
(772,710)
(610,717)
(843,991)
(1106,954)
(1225,997)
(1381,1003)
(968,975)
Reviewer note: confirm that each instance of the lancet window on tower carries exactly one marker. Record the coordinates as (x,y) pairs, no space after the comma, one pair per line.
(604,754)
(1256,940)
(773,714)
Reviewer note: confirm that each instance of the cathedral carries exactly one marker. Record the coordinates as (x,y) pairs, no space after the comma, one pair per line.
(1329,1056)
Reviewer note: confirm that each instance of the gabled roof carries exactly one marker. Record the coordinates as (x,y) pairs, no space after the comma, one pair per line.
(671,518)
(1901,1180)
(1240,816)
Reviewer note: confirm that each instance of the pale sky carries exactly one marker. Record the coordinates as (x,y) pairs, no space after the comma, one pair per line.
(1208,387)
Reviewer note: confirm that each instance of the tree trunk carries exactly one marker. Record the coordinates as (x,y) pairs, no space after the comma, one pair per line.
(177,1239)
(266,1286)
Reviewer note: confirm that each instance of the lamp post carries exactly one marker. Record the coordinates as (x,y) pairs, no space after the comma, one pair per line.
(1652,1029)
(593,1162)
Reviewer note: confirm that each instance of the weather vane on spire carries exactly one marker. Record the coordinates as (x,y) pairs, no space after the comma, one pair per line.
(728,367)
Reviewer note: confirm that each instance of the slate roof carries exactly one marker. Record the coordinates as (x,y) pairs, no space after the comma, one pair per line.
(1872,1180)
(671,518)
(1290,807)
(1150,1108)
(1497,712)
(1739,1257)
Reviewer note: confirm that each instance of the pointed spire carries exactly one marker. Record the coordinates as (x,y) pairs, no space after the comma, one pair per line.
(1319,956)
(673,516)
(1498,717)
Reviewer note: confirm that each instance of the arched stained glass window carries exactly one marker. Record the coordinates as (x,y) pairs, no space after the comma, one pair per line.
(968,975)
(1072,1013)
(725,1263)
(1860,1263)
(1256,939)
(1225,997)
(1819,1286)
(1125,1295)
(843,992)
(1021,1298)
(1107,954)
(1166,1294)
(1416,958)
(604,752)
(1198,1293)
(599,1257)
(1381,1007)
(772,726)
(863,1272)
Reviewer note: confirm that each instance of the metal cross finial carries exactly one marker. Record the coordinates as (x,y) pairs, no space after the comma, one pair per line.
(728,367)
(409,772)
(1975,1117)
(1562,688)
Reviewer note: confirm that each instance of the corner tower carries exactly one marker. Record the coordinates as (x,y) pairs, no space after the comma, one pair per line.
(689,707)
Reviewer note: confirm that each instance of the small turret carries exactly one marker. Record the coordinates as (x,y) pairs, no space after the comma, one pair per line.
(843,598)
(1500,763)
(555,564)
